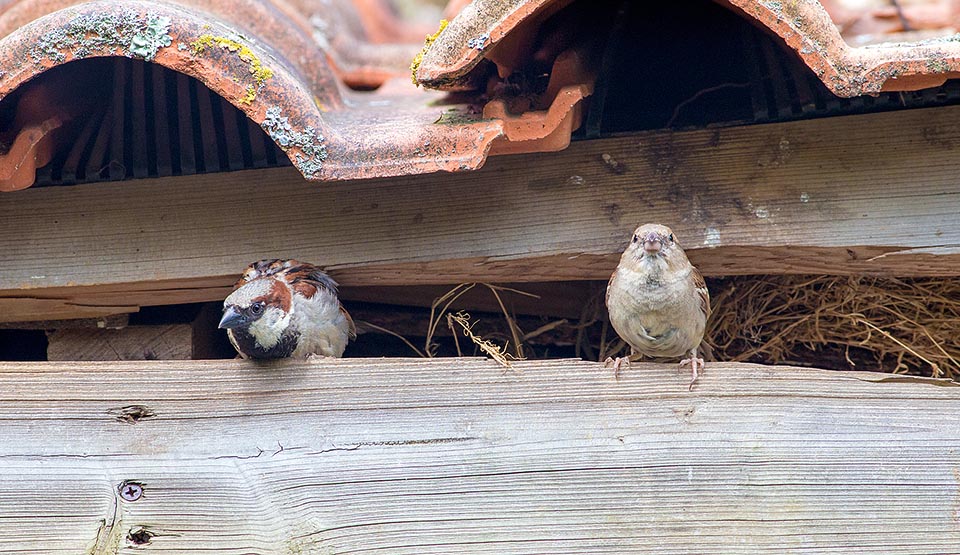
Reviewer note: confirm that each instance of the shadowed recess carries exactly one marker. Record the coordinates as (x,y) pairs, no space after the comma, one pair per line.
(131,119)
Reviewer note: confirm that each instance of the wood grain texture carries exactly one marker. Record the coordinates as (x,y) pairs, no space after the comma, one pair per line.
(405,456)
(874,194)
(155,342)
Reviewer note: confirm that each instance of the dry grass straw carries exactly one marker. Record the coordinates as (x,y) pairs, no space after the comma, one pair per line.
(863,323)
(492,350)
(443,306)
(442,309)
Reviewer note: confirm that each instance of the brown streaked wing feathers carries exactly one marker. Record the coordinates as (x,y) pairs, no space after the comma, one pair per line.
(701,285)
(307,279)
(351,326)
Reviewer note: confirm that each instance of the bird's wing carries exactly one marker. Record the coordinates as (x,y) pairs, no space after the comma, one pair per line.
(701,286)
(351,327)
(307,279)
(606,296)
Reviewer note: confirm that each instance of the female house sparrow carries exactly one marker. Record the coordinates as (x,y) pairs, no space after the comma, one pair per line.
(284,308)
(658,302)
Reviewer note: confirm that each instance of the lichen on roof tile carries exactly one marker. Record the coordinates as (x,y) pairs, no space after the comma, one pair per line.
(257,69)
(291,67)
(803,25)
(128,33)
(310,151)
(456,51)
(261,57)
(146,43)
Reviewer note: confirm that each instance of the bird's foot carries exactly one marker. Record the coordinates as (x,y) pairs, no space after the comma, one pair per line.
(694,363)
(618,363)
(316,357)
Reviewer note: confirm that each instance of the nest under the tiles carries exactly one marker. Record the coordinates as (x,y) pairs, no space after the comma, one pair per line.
(907,326)
(844,322)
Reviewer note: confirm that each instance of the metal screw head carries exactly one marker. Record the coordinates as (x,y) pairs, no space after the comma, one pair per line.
(130,491)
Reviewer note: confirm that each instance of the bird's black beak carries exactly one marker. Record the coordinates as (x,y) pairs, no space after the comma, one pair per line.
(231,318)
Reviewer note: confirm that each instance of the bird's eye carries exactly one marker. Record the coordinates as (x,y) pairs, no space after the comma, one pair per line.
(256,308)
(635,238)
(671,237)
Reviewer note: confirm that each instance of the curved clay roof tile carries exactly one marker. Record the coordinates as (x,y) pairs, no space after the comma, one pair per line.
(252,55)
(803,25)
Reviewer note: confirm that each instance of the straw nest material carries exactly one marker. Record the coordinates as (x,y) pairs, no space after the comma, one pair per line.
(863,323)
(841,322)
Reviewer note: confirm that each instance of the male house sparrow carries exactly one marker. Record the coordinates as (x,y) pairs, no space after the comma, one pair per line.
(658,302)
(284,308)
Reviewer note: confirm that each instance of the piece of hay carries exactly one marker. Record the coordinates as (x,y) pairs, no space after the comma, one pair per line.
(863,323)
(491,349)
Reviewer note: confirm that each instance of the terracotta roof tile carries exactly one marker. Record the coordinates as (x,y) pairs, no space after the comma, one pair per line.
(271,62)
(305,72)
(804,26)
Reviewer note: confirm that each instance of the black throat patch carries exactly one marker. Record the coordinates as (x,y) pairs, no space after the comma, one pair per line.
(248,345)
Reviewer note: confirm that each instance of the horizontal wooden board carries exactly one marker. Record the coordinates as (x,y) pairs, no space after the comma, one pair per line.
(406,456)
(157,342)
(874,194)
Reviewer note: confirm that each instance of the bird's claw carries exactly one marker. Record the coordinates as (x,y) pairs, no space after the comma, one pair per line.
(694,362)
(618,363)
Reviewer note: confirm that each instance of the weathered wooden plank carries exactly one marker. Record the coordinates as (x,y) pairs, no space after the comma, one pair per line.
(873,194)
(404,456)
(157,342)
(107,322)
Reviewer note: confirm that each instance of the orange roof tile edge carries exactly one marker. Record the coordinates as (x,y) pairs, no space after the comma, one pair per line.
(804,25)
(269,69)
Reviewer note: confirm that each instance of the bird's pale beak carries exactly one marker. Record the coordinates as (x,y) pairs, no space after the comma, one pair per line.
(231,318)
(652,244)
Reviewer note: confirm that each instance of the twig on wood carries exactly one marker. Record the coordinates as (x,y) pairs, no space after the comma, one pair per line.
(456,338)
(936,369)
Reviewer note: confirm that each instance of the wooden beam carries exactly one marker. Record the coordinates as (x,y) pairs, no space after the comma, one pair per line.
(156,342)
(874,194)
(406,456)
(107,322)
